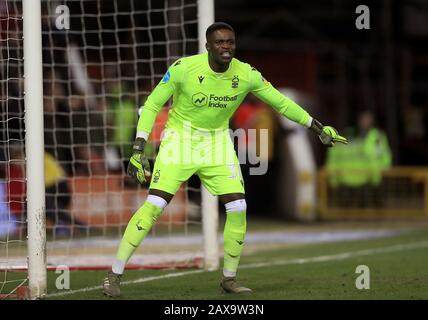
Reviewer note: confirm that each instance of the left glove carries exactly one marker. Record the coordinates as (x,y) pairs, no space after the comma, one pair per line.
(139,166)
(328,135)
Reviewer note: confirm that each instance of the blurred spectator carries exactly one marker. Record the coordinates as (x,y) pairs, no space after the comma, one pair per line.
(58,197)
(56,121)
(356,169)
(16,186)
(87,138)
(12,113)
(54,46)
(13,185)
(253,114)
(8,223)
(414,135)
(122,118)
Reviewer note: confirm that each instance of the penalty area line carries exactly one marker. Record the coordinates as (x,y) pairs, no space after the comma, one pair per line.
(324,258)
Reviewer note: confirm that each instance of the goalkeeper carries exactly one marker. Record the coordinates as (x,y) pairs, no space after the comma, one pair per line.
(207,89)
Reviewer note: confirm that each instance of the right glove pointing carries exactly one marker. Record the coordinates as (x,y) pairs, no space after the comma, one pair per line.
(328,135)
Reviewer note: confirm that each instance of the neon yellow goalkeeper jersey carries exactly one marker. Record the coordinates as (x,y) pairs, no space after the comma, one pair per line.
(207,99)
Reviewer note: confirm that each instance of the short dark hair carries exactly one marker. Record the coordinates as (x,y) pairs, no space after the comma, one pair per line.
(218,26)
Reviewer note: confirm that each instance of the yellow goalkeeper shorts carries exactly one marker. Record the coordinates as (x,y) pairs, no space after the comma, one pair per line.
(209,155)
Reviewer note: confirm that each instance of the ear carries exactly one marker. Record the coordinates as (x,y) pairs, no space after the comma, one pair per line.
(206,46)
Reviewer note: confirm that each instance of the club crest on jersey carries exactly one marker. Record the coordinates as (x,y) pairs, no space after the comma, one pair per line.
(235,82)
(166,77)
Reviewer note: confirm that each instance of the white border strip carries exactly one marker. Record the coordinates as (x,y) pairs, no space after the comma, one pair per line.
(333,257)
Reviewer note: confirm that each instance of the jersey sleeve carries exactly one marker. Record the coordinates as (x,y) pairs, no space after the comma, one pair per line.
(169,84)
(264,90)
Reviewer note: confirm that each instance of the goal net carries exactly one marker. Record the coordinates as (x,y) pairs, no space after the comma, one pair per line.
(101,59)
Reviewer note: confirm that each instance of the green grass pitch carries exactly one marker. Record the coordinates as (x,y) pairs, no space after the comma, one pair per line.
(398,270)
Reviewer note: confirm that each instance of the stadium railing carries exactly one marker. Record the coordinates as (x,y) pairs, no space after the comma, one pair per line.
(399,192)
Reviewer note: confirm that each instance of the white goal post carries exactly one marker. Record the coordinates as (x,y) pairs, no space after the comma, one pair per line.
(209,203)
(34,149)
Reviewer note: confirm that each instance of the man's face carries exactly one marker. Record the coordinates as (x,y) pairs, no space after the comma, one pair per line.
(221,46)
(365,121)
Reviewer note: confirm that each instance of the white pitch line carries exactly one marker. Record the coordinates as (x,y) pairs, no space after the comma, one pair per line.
(333,257)
(140,280)
(339,256)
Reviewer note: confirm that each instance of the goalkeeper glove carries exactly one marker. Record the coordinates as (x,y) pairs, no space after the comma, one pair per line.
(328,135)
(139,166)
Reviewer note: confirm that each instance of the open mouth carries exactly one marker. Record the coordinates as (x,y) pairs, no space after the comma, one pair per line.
(226,55)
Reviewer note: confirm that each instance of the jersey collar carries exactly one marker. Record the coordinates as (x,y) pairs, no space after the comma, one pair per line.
(218,74)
